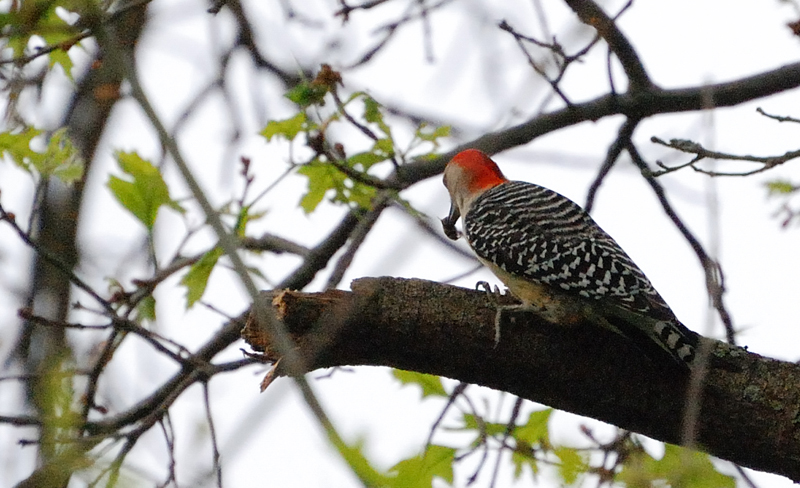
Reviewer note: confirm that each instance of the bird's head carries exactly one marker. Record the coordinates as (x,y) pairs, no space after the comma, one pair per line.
(467,176)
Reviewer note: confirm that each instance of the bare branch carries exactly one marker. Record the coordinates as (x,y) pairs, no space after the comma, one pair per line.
(357,238)
(20,420)
(779,118)
(247,40)
(643,104)
(318,258)
(591,14)
(557,50)
(53,259)
(272,243)
(700,153)
(392,28)
(715,282)
(41,51)
(622,141)
(344,12)
(213,432)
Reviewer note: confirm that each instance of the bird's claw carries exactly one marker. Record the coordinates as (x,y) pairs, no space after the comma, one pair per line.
(493,294)
(485,286)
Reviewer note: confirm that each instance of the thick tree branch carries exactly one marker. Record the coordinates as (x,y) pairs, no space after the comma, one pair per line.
(748,410)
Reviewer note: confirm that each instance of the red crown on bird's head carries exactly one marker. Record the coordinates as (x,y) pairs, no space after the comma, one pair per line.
(478,169)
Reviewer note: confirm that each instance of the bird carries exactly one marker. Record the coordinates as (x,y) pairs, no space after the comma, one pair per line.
(543,246)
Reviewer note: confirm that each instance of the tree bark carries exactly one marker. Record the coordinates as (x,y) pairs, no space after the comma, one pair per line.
(749,405)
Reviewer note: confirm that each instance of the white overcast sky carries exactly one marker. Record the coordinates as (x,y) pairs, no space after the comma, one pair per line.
(270,439)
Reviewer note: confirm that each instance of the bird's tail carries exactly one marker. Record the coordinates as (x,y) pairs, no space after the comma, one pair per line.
(660,340)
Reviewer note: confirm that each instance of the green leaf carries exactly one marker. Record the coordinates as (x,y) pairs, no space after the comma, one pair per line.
(522,459)
(384,146)
(17,147)
(373,115)
(572,464)
(473,422)
(372,112)
(146,193)
(431,385)
(306,93)
(434,135)
(147,308)
(69,173)
(321,178)
(361,466)
(288,128)
(196,279)
(780,187)
(61,57)
(242,219)
(61,159)
(365,159)
(419,471)
(41,19)
(679,467)
(359,194)
(534,431)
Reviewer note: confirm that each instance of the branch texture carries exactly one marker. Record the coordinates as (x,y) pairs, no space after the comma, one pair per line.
(748,407)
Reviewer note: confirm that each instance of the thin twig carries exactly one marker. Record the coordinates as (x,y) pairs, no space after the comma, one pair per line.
(424,223)
(360,176)
(20,420)
(54,260)
(512,422)
(357,238)
(391,29)
(556,48)
(779,118)
(700,153)
(622,140)
(169,437)
(246,39)
(714,276)
(591,14)
(213,433)
(275,244)
(744,476)
(457,392)
(344,12)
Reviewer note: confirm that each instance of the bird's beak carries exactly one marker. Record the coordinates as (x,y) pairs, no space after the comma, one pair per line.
(449,222)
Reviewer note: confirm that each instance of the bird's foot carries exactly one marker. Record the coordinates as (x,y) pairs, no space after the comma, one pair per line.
(486,287)
(493,294)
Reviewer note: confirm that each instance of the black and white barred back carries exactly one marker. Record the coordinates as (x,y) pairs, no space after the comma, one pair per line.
(531,231)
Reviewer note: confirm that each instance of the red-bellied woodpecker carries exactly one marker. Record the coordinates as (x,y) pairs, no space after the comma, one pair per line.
(543,245)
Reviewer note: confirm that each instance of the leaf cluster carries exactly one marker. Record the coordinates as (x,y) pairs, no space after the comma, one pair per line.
(532,451)
(332,171)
